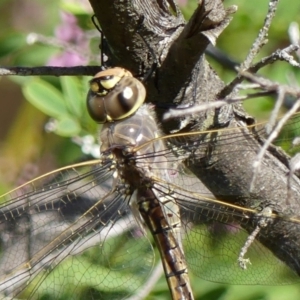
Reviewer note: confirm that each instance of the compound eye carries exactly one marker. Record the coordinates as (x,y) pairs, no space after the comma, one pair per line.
(95,106)
(125,99)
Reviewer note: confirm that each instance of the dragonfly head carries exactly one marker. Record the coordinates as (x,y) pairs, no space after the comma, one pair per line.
(114,95)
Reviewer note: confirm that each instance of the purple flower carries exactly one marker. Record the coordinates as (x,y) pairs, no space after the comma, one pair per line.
(67,59)
(71,38)
(182,2)
(69,31)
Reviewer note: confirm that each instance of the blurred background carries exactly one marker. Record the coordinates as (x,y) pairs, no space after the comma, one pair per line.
(43,121)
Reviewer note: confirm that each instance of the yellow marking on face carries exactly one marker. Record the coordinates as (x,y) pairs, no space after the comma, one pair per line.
(94,87)
(110,83)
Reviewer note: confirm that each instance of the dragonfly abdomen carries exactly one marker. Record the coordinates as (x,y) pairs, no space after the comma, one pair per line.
(171,253)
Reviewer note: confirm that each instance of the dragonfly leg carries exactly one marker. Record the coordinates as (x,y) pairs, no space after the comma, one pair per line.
(263,222)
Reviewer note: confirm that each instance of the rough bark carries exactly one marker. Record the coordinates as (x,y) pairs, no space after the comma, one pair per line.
(182,72)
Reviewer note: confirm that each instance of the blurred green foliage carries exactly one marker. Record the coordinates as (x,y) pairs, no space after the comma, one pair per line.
(64,98)
(67,106)
(122,267)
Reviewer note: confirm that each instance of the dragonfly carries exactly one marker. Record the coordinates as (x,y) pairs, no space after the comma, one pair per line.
(92,228)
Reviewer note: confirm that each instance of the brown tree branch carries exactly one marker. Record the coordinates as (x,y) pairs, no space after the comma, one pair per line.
(183,76)
(178,49)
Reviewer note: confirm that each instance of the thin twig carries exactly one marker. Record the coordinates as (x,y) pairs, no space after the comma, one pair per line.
(248,86)
(262,35)
(283,55)
(270,139)
(52,71)
(275,111)
(294,35)
(269,85)
(294,166)
(34,38)
(282,91)
(257,45)
(180,112)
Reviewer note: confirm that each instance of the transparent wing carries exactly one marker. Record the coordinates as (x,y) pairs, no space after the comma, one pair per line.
(216,232)
(71,233)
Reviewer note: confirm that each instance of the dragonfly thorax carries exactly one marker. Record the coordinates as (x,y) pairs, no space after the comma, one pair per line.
(122,138)
(132,132)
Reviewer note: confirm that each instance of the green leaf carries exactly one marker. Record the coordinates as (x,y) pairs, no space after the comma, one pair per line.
(216,293)
(68,127)
(46,98)
(74,8)
(11,43)
(73,95)
(34,55)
